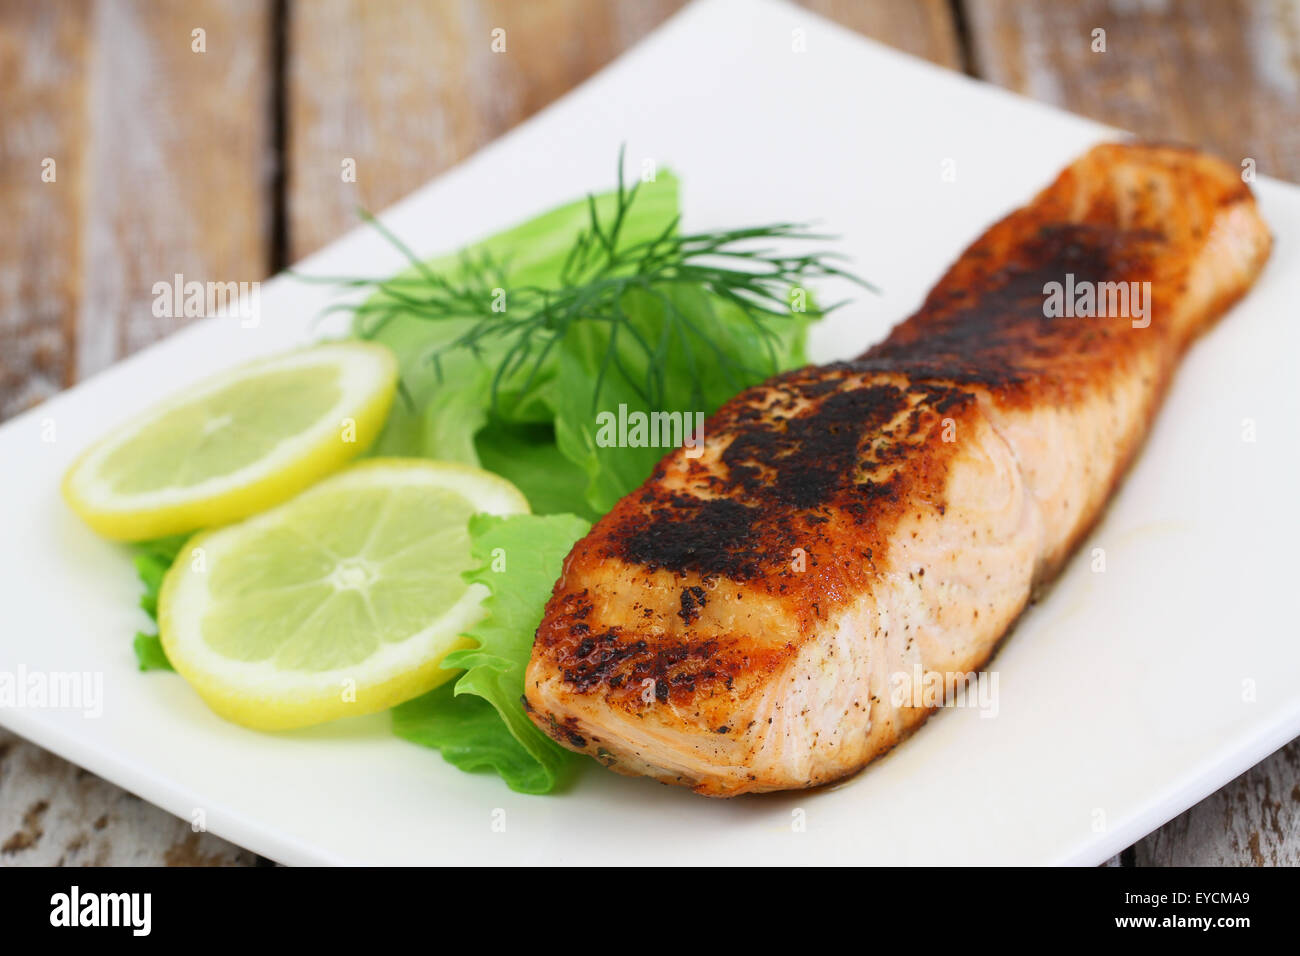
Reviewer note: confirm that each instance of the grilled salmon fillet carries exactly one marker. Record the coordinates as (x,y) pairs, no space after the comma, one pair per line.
(738,623)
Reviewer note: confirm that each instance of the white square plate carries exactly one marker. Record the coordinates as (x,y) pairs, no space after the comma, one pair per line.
(1125,696)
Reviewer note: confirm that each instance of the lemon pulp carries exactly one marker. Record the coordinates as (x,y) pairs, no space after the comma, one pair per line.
(235,444)
(341,601)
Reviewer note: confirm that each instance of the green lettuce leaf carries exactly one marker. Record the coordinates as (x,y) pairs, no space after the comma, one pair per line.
(545,436)
(689,370)
(445,407)
(152,559)
(547,440)
(528,456)
(480,723)
(149,653)
(471,736)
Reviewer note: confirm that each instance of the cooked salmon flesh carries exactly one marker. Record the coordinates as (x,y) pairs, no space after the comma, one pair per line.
(740,622)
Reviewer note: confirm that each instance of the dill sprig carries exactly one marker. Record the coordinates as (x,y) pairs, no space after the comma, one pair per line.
(599,273)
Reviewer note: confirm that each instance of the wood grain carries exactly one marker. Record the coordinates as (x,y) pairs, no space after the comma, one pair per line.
(1253,821)
(162,164)
(55,814)
(165,161)
(443,93)
(43,56)
(179,163)
(923,28)
(1223,75)
(1220,74)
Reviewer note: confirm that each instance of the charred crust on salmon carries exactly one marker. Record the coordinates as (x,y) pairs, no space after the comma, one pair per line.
(733,625)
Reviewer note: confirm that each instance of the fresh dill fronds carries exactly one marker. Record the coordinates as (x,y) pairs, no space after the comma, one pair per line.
(737,266)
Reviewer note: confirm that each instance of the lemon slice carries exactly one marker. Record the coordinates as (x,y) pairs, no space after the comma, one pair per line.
(341,601)
(236,443)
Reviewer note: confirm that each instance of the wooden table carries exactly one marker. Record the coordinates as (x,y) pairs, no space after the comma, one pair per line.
(217,153)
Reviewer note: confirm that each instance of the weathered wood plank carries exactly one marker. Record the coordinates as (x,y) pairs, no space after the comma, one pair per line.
(1253,821)
(178,180)
(179,166)
(1220,74)
(175,133)
(1223,75)
(922,28)
(55,814)
(443,92)
(162,166)
(43,57)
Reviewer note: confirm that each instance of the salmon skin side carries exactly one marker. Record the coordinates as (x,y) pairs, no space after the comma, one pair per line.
(740,622)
